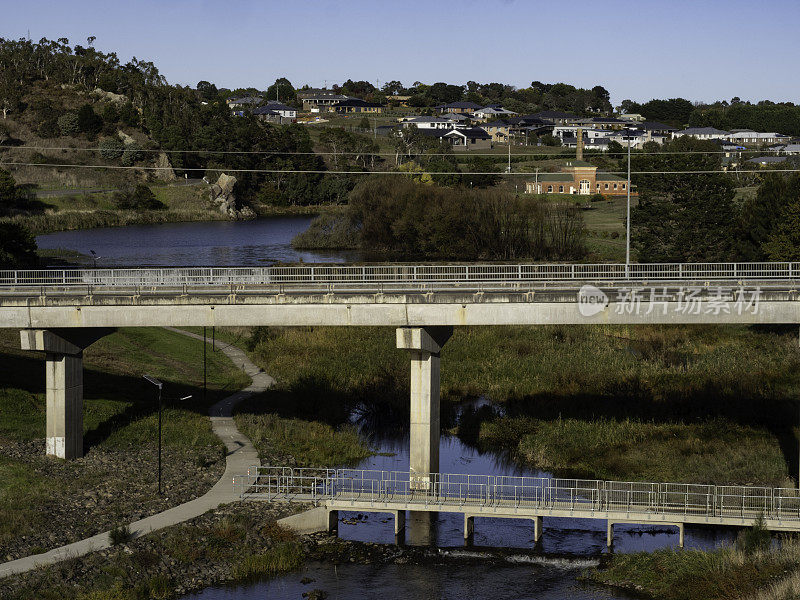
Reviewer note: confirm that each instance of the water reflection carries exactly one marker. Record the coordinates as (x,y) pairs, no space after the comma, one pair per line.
(216,243)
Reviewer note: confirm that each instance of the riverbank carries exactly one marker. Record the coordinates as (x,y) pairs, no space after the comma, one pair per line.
(700,404)
(728,573)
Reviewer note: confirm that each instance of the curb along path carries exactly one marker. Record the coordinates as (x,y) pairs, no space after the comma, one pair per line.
(241,455)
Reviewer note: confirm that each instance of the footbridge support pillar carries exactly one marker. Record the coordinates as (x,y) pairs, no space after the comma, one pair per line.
(425,346)
(63,350)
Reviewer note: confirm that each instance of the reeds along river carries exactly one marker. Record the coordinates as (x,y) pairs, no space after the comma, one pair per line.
(214,243)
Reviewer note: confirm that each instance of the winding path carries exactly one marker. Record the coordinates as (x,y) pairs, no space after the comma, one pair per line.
(241,455)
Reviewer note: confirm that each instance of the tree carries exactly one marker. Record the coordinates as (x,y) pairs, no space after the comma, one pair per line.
(683,217)
(364,124)
(207,91)
(17,246)
(111,148)
(772,220)
(140,197)
(89,122)
(68,124)
(283,90)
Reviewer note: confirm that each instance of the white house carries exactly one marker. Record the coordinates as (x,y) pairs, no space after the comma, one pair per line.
(287,112)
(493,112)
(703,133)
(755,137)
(433,123)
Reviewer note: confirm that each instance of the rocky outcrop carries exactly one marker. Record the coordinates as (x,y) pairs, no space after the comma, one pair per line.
(222,195)
(164,170)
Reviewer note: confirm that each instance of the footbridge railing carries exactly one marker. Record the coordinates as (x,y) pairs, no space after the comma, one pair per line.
(366,275)
(459,492)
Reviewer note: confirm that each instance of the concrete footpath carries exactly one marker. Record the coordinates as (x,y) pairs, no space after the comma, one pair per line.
(241,455)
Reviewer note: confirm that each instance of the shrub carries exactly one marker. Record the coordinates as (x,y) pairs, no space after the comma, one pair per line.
(49,128)
(140,197)
(596,198)
(120,535)
(68,124)
(131,154)
(89,122)
(754,539)
(111,148)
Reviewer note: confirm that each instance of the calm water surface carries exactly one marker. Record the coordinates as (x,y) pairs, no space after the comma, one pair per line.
(215,243)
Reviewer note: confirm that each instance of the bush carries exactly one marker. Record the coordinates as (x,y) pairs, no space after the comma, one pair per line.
(111,148)
(68,124)
(17,246)
(596,198)
(754,539)
(120,535)
(89,122)
(139,198)
(49,128)
(131,154)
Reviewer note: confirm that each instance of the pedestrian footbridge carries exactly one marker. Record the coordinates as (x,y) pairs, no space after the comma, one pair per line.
(513,497)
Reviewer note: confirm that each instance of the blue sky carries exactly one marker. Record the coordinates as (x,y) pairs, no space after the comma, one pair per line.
(700,50)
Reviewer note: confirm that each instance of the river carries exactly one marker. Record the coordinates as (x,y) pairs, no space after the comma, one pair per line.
(550,571)
(214,243)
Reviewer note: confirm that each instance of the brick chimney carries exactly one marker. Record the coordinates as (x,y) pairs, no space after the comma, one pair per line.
(579,153)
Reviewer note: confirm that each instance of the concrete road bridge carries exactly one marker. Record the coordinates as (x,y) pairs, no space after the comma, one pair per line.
(512,497)
(62,311)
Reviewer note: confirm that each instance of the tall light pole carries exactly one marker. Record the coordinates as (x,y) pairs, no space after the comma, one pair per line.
(628,226)
(160,386)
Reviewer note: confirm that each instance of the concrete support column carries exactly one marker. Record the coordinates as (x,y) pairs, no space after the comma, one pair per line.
(469,529)
(425,345)
(610,534)
(64,375)
(537,529)
(333,521)
(399,524)
(63,349)
(681,527)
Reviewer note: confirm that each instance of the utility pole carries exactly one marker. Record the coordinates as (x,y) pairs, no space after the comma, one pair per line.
(628,227)
(509,149)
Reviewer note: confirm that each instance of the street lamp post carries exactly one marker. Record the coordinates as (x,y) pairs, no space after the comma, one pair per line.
(628,226)
(160,386)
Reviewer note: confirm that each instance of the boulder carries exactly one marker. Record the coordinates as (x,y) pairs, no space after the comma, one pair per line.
(222,195)
(164,170)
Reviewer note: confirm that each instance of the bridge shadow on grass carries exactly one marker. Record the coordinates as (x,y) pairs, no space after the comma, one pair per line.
(112,402)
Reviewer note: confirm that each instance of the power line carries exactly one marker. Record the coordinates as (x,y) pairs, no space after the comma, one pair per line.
(422,172)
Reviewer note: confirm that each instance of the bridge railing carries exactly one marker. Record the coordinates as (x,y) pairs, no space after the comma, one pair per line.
(459,490)
(385,274)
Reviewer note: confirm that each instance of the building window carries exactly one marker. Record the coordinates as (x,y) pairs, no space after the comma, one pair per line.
(615,186)
(606,186)
(598,186)
(623,186)
(561,188)
(550,189)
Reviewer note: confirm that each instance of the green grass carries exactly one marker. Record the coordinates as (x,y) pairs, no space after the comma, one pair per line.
(684,403)
(724,574)
(312,444)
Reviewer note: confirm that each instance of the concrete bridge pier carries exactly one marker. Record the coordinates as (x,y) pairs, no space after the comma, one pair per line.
(425,346)
(63,350)
(537,529)
(333,521)
(469,530)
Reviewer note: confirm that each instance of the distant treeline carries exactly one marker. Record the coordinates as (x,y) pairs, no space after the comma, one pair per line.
(397,216)
(764,116)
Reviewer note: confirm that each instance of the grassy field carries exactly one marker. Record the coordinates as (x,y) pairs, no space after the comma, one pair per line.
(84,211)
(120,415)
(751,569)
(701,403)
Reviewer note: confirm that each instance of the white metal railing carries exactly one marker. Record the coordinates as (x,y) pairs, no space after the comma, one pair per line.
(454,491)
(322,275)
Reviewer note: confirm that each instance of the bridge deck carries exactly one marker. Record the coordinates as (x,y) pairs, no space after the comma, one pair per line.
(527,497)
